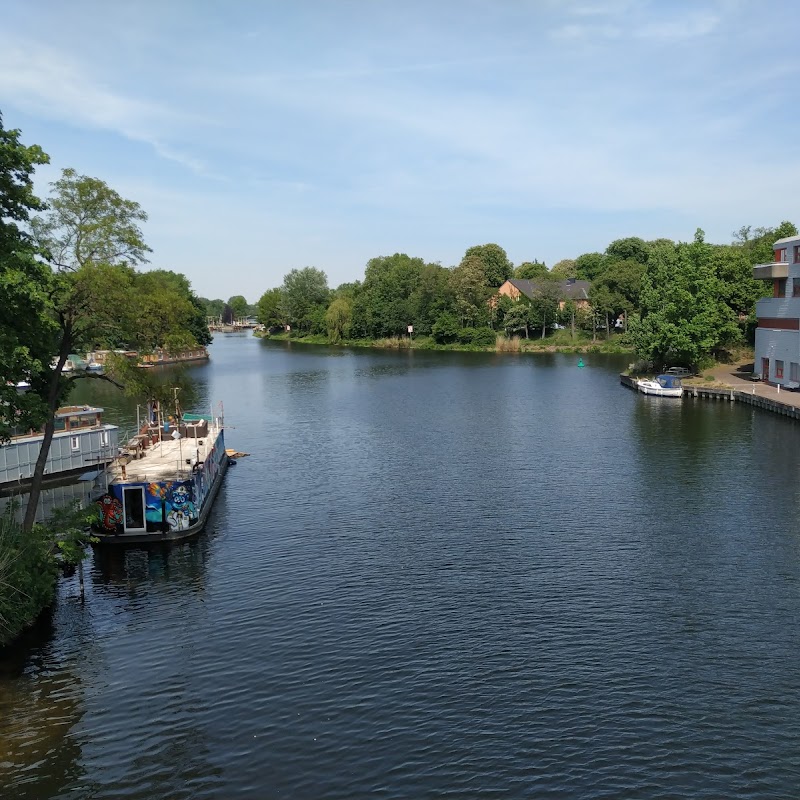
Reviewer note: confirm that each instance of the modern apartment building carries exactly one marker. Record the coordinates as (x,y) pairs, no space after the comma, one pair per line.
(777,356)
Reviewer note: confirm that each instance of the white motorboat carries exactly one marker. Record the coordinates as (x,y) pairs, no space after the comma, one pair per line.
(661,386)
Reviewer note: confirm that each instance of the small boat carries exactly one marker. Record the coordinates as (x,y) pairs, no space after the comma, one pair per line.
(93,366)
(661,386)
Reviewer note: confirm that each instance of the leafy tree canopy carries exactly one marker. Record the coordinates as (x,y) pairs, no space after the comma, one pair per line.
(497,268)
(530,270)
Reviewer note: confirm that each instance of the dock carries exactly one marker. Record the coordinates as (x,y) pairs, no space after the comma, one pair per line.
(763,396)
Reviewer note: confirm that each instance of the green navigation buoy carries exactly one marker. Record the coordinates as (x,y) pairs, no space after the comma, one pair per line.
(580,363)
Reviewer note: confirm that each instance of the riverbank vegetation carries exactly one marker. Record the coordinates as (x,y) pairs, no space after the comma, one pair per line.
(678,303)
(69,283)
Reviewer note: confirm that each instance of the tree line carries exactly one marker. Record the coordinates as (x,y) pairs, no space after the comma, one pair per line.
(69,283)
(671,301)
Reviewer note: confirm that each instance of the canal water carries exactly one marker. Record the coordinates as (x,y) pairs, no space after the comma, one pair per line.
(436,575)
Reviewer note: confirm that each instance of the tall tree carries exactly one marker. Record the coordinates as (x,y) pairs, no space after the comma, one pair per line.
(303,290)
(26,334)
(531,270)
(239,306)
(497,268)
(590,265)
(566,268)
(683,318)
(268,308)
(471,292)
(91,236)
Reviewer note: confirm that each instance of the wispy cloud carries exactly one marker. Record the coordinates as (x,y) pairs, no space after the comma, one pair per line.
(51,84)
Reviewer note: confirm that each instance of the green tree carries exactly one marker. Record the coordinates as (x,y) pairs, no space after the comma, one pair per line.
(27,335)
(303,290)
(757,242)
(268,308)
(530,270)
(431,297)
(471,292)
(683,319)
(213,308)
(446,328)
(339,319)
(566,268)
(590,266)
(518,317)
(239,306)
(91,236)
(631,249)
(545,304)
(497,268)
(385,304)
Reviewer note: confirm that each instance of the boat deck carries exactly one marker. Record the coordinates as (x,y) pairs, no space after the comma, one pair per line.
(166,460)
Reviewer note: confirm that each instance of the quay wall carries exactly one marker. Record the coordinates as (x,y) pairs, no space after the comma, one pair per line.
(730,395)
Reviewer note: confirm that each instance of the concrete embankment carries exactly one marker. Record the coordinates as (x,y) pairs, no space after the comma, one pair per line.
(773,404)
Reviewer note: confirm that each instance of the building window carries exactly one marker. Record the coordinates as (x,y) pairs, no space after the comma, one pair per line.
(780,255)
(797,254)
(794,372)
(778,370)
(75,442)
(779,287)
(796,287)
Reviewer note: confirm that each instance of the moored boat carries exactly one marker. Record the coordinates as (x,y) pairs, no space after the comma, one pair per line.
(81,442)
(163,486)
(661,386)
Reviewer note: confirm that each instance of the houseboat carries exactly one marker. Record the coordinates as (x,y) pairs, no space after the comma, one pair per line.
(163,485)
(82,442)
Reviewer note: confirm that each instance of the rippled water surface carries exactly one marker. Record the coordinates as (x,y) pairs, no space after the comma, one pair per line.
(437,575)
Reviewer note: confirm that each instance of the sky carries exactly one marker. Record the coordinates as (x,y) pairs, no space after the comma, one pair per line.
(262,136)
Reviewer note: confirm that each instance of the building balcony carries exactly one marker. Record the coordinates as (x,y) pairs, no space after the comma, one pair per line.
(778,308)
(768,272)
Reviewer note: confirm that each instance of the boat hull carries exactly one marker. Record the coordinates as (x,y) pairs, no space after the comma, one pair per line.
(172,535)
(658,391)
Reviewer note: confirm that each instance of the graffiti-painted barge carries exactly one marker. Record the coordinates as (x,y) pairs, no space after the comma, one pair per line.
(163,488)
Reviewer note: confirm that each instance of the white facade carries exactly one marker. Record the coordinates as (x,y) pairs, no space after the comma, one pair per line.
(777,345)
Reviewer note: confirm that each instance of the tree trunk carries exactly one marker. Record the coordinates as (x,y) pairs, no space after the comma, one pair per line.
(572,323)
(53,397)
(526,330)
(608,327)
(594,326)
(544,326)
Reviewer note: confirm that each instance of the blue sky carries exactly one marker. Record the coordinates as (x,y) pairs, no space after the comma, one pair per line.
(263,136)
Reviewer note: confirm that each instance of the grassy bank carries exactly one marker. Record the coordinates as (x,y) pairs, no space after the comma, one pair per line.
(558,342)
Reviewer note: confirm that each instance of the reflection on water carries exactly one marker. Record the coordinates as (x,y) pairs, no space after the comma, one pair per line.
(436,574)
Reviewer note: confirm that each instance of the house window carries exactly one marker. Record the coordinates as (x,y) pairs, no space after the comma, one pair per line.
(75,443)
(797,254)
(794,372)
(796,287)
(779,287)
(780,254)
(778,370)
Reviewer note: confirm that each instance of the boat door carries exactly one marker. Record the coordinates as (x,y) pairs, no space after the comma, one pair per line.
(764,369)
(133,506)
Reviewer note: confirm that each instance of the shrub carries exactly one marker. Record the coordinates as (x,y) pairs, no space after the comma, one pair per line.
(28,574)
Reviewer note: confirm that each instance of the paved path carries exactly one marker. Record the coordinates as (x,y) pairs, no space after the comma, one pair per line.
(735,376)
